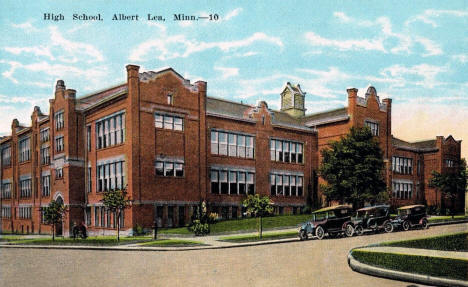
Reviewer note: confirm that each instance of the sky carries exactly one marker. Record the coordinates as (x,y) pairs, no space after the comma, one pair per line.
(415,52)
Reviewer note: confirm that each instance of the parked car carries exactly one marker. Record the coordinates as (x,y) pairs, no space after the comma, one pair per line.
(372,218)
(411,216)
(328,220)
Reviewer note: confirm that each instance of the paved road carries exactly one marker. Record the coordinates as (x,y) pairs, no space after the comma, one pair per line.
(310,263)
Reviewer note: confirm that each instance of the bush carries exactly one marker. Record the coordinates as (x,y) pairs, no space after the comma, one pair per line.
(200,228)
(212,217)
(138,230)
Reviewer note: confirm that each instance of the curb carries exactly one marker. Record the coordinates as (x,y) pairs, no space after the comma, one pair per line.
(357,266)
(105,248)
(448,222)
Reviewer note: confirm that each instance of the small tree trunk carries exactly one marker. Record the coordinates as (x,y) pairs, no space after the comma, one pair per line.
(261,227)
(53,231)
(118,225)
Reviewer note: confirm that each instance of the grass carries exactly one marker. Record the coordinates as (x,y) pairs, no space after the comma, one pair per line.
(8,238)
(90,241)
(450,242)
(246,224)
(441,218)
(171,243)
(432,266)
(255,237)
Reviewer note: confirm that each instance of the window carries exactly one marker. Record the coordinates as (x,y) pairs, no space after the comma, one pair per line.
(6,190)
(169,99)
(403,190)
(449,163)
(6,212)
(232,182)
(285,185)
(286,151)
(25,188)
(59,120)
(88,216)
(88,137)
(110,131)
(374,127)
(58,173)
(44,135)
(232,144)
(168,167)
(90,180)
(59,144)
(96,215)
(45,155)
(24,150)
(110,176)
(168,122)
(6,156)
(402,165)
(25,212)
(45,182)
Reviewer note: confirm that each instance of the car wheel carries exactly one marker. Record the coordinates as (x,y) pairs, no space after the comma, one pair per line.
(319,232)
(388,227)
(424,224)
(405,225)
(359,230)
(349,230)
(303,235)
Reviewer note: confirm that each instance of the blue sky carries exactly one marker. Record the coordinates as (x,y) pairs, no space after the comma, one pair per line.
(414,52)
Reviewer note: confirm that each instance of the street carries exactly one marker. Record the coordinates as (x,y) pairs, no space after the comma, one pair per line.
(308,263)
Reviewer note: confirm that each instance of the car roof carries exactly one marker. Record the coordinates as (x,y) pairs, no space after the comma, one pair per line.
(333,208)
(411,206)
(373,207)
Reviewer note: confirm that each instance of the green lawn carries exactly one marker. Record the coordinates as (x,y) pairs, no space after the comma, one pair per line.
(91,241)
(437,218)
(432,266)
(254,237)
(171,243)
(8,238)
(246,224)
(450,242)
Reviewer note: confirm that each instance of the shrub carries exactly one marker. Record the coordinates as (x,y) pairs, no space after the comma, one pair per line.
(212,217)
(200,228)
(138,230)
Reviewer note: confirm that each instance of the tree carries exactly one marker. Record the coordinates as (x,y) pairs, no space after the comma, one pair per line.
(53,214)
(450,184)
(259,207)
(116,201)
(353,168)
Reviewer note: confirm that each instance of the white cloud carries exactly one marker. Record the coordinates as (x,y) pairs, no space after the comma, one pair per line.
(426,72)
(179,46)
(75,49)
(428,16)
(232,14)
(405,41)
(343,45)
(460,58)
(26,26)
(37,51)
(227,72)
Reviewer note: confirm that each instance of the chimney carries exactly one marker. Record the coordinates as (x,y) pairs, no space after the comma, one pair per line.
(352,102)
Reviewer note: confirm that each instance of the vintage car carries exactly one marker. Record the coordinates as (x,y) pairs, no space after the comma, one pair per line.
(372,218)
(411,216)
(328,220)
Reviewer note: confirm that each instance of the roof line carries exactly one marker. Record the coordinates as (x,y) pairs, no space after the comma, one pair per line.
(101,91)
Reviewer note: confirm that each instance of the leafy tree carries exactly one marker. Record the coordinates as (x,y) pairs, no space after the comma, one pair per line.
(200,221)
(450,184)
(259,207)
(116,201)
(54,214)
(353,168)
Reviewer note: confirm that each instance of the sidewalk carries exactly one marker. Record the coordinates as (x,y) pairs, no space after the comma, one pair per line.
(360,267)
(209,241)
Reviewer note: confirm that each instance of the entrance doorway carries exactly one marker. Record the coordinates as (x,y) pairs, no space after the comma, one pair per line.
(59,225)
